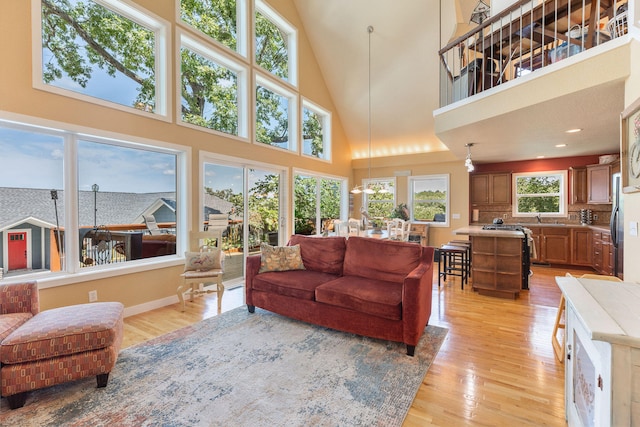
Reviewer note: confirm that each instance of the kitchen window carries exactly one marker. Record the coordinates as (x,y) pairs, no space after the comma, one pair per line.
(540,194)
(430,198)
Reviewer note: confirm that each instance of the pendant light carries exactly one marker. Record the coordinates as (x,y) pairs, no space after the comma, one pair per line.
(468,163)
(358,189)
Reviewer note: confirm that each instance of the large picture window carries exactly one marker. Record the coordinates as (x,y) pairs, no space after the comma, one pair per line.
(275,115)
(430,198)
(48,226)
(540,193)
(318,201)
(115,54)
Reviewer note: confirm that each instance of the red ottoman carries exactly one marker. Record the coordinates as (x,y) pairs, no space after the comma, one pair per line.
(60,345)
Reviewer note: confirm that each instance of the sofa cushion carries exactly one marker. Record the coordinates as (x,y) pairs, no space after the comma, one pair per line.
(296,283)
(62,331)
(280,258)
(10,322)
(325,254)
(375,297)
(384,260)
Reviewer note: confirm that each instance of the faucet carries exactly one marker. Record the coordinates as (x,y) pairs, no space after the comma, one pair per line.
(539,219)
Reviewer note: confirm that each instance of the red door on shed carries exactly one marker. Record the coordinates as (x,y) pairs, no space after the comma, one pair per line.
(17,250)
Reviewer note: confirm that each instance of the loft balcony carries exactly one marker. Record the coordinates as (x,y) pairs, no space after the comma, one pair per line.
(516,83)
(527,36)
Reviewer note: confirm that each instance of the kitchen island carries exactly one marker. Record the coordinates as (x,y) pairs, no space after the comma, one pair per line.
(499,260)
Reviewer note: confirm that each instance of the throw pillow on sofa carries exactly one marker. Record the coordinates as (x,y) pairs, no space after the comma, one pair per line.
(280,258)
(203,261)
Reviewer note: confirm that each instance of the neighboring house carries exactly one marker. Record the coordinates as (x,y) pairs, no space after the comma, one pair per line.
(28,220)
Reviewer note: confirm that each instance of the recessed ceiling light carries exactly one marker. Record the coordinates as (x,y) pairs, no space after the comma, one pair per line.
(540,157)
(561,145)
(573,130)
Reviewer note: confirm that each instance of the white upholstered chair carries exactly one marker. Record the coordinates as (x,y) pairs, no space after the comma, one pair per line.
(203,265)
(398,229)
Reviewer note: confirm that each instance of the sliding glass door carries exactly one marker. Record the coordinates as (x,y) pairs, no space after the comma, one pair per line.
(251,197)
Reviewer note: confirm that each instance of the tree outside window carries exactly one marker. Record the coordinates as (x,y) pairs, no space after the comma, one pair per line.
(216,18)
(273,111)
(381,203)
(315,131)
(93,50)
(430,198)
(317,201)
(272,42)
(540,193)
(209,93)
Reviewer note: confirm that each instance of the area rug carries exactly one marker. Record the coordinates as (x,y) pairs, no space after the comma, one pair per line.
(241,369)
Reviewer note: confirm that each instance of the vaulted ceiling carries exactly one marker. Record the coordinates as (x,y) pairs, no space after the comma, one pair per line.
(404,86)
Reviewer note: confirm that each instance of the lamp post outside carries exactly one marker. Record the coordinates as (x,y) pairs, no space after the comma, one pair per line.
(95,189)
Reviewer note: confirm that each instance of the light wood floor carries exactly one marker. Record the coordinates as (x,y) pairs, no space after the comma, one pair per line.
(495,368)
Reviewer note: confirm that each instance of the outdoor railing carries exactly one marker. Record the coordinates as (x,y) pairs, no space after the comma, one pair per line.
(527,36)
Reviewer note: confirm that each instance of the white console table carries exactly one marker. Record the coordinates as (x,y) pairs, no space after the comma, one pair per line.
(602,369)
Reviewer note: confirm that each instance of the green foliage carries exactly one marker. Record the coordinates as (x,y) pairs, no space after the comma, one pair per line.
(312,130)
(86,35)
(272,124)
(401,211)
(538,194)
(271,47)
(215,18)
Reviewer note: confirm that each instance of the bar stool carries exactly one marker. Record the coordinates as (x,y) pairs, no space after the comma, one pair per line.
(466,244)
(452,261)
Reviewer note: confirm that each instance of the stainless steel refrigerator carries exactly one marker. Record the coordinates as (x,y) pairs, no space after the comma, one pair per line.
(617,225)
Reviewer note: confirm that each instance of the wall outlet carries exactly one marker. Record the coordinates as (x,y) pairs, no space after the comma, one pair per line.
(505,216)
(93,296)
(633,228)
(595,217)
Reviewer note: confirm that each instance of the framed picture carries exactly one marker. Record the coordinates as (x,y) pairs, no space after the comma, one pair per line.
(630,148)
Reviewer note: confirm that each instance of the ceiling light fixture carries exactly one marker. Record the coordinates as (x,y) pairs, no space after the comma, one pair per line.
(468,163)
(358,189)
(576,130)
(561,145)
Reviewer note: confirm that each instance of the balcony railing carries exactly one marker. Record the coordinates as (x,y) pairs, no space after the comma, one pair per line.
(527,36)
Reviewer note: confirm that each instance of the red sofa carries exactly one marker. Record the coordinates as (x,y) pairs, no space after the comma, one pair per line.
(376,288)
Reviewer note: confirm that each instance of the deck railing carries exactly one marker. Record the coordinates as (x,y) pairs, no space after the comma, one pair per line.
(527,36)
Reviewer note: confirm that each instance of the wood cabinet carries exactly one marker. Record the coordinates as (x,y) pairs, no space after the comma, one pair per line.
(490,188)
(497,265)
(552,245)
(581,247)
(602,365)
(599,184)
(602,252)
(579,192)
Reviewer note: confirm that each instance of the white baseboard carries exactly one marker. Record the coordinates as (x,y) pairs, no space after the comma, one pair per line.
(151,305)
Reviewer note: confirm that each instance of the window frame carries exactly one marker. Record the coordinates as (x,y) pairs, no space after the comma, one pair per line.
(163,52)
(412,202)
(220,59)
(292,40)
(325,122)
(73,273)
(344,196)
(562,195)
(292,112)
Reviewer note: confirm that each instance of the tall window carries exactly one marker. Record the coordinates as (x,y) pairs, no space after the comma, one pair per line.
(222,20)
(117,183)
(540,193)
(212,90)
(317,201)
(381,203)
(115,53)
(316,131)
(275,43)
(275,115)
(430,198)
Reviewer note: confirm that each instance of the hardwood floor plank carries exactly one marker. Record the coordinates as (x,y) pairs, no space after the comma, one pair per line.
(495,368)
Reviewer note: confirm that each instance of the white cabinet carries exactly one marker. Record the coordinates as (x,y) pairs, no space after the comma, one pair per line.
(602,369)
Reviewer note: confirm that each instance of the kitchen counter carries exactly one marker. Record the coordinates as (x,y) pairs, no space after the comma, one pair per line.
(476,230)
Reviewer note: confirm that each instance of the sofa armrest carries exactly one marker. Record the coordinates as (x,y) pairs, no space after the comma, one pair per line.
(253,266)
(417,292)
(19,298)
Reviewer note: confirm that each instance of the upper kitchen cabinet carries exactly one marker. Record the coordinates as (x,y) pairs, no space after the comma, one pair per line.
(599,183)
(578,185)
(490,188)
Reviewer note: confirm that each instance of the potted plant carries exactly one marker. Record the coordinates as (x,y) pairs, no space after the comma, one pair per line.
(401,211)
